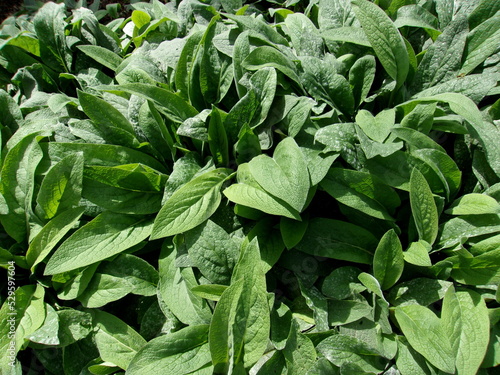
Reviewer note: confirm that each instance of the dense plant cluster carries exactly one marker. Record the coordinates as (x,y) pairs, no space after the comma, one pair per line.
(213,187)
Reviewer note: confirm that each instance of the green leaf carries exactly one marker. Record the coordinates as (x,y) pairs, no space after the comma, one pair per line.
(61,189)
(240,326)
(135,177)
(74,325)
(300,354)
(292,231)
(211,292)
(479,270)
(181,352)
(270,243)
(134,271)
(361,191)
(384,38)
(427,334)
(256,197)
(117,342)
(454,231)
(418,254)
(98,154)
(347,311)
(264,57)
(140,18)
(212,251)
(174,289)
(443,58)
(388,260)
(51,234)
(376,127)
(321,80)
(191,205)
(285,175)
(481,44)
(408,361)
(342,283)
(415,16)
(343,349)
(170,104)
(102,55)
(467,326)
(338,240)
(109,122)
(108,234)
(50,27)
(304,36)
(418,291)
(349,34)
(423,207)
(47,333)
(103,289)
(17,183)
(217,138)
(474,204)
(25,315)
(361,77)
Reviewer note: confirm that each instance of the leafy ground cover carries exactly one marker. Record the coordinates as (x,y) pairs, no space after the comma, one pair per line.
(260,188)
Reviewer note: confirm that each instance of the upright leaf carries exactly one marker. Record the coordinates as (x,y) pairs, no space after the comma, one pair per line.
(240,326)
(384,38)
(467,326)
(388,260)
(423,207)
(61,188)
(17,183)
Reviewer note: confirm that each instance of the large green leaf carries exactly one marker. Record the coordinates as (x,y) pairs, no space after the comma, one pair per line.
(467,326)
(191,205)
(17,184)
(384,38)
(106,235)
(181,352)
(240,326)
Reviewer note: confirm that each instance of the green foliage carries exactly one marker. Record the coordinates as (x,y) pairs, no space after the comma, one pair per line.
(272,187)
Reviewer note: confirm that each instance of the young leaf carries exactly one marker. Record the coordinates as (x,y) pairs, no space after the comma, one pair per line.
(423,207)
(191,205)
(384,38)
(388,260)
(108,234)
